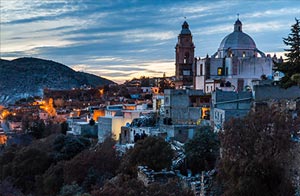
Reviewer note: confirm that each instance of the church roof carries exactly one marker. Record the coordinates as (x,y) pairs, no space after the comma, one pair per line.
(237,39)
(185,29)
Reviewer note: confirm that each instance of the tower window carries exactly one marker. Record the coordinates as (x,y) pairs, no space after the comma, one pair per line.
(201,69)
(186,57)
(244,54)
(186,72)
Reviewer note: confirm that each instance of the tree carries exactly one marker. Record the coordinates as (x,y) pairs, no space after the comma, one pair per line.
(92,167)
(296,78)
(53,180)
(292,65)
(124,185)
(26,165)
(252,151)
(293,41)
(66,147)
(7,189)
(203,150)
(64,127)
(71,190)
(153,152)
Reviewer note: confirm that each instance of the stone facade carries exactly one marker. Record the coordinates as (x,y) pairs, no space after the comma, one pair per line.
(229,104)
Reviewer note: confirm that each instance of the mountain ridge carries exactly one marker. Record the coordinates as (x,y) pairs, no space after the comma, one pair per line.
(28,76)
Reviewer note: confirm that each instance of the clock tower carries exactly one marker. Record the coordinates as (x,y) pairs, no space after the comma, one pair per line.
(184,58)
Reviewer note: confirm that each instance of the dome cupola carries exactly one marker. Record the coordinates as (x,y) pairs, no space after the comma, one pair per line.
(237,43)
(185,28)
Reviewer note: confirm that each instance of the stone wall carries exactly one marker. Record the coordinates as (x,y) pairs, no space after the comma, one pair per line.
(267,92)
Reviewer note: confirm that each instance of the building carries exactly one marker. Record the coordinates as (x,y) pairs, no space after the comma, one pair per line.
(148,176)
(117,116)
(184,51)
(183,111)
(236,64)
(228,104)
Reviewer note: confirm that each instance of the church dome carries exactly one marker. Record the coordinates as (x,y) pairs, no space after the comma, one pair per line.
(237,42)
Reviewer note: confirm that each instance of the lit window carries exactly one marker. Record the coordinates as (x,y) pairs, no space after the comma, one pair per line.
(244,54)
(219,71)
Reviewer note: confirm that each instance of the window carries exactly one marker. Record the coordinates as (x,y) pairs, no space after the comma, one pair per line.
(186,72)
(167,100)
(201,69)
(226,70)
(244,54)
(220,70)
(186,57)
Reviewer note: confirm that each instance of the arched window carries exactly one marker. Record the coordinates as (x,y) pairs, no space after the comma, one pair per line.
(186,57)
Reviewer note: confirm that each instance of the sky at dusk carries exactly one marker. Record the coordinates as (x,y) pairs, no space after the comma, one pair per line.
(120,39)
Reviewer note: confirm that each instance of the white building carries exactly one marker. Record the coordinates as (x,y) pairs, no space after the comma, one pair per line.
(117,116)
(236,64)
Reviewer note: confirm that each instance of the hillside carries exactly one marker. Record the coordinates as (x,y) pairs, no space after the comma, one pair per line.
(24,77)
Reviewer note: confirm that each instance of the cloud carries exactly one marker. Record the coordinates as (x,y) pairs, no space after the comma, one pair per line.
(131,38)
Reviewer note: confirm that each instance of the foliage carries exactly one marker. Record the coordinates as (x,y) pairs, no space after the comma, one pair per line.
(203,150)
(92,166)
(52,179)
(66,146)
(71,190)
(292,65)
(296,78)
(64,127)
(153,152)
(125,185)
(8,189)
(251,152)
(293,41)
(37,128)
(26,164)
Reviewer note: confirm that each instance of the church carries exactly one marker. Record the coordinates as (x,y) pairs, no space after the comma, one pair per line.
(237,65)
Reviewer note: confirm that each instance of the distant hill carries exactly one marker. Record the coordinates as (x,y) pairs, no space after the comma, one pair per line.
(25,77)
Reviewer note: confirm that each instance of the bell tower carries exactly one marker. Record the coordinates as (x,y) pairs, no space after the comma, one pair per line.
(184,58)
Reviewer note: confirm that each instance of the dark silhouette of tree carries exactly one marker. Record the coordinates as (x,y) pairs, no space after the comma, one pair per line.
(145,81)
(92,167)
(293,41)
(125,185)
(203,150)
(64,127)
(251,152)
(27,164)
(153,152)
(37,128)
(7,189)
(292,65)
(71,190)
(66,147)
(92,122)
(52,180)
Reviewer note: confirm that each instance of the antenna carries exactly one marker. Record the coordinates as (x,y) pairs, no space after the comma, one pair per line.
(238,16)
